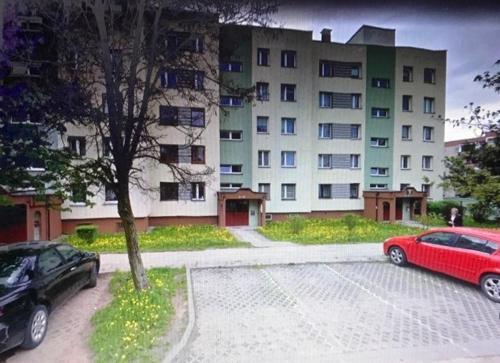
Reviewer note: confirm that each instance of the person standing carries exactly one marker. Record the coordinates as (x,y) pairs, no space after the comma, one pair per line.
(455,219)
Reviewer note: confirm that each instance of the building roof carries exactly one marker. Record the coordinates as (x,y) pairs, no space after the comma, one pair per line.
(488,135)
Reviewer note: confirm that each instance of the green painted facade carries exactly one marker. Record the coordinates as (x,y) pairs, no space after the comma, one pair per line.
(237,118)
(380,63)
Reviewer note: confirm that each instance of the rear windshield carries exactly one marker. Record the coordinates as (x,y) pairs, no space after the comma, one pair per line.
(13,268)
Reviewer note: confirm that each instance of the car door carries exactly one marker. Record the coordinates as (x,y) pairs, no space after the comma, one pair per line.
(470,256)
(54,275)
(433,250)
(78,271)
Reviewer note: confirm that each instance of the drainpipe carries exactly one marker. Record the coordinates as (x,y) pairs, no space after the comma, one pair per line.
(376,206)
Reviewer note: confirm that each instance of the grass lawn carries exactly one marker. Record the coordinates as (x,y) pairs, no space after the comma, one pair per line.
(324,231)
(127,329)
(174,238)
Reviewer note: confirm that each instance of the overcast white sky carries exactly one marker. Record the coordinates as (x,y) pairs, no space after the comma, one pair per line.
(468,30)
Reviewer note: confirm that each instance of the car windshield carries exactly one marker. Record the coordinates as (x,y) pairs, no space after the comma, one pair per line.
(12,268)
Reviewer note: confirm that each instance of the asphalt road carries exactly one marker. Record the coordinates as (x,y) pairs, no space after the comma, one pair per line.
(341,312)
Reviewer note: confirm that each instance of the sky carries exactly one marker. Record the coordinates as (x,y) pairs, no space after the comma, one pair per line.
(468,29)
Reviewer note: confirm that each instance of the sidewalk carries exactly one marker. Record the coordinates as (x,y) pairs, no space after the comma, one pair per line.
(250,235)
(275,255)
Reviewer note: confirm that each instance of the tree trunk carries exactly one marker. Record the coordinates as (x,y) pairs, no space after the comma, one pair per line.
(134,255)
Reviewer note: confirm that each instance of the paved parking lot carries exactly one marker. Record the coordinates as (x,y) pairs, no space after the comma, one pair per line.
(352,312)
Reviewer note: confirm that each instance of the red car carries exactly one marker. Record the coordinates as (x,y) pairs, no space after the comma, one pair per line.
(468,254)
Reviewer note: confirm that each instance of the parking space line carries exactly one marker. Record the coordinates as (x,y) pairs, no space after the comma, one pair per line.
(395,307)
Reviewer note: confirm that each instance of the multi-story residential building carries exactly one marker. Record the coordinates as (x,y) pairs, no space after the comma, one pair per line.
(332,128)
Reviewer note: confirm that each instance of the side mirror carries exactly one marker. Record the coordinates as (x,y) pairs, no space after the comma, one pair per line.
(418,240)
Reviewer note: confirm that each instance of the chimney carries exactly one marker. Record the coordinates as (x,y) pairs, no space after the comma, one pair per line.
(326,35)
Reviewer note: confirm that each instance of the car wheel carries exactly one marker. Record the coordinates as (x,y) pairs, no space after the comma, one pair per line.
(36,328)
(93,276)
(490,284)
(397,256)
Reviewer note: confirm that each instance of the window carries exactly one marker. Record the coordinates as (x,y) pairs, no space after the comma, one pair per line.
(232,101)
(262,89)
(169,191)
(197,191)
(355,164)
(407,103)
(288,92)
(354,191)
(231,135)
(230,186)
(265,188)
(405,162)
(263,56)
(263,158)
(186,116)
(429,75)
(379,142)
(287,126)
(355,100)
(48,261)
(69,253)
(231,67)
(355,72)
(476,244)
(184,42)
(324,161)
(182,78)
(380,112)
(325,99)
(109,194)
(378,186)
(325,68)
(78,194)
(426,188)
(439,238)
(169,154)
(288,58)
(407,74)
(426,162)
(325,191)
(325,131)
(262,124)
(77,145)
(288,159)
(403,186)
(406,132)
(428,105)
(197,154)
(355,132)
(230,169)
(380,83)
(288,191)
(428,133)
(379,171)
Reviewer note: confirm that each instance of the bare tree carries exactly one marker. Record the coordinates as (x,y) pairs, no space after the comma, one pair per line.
(120,54)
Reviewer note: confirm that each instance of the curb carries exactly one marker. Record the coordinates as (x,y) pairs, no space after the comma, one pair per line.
(191,321)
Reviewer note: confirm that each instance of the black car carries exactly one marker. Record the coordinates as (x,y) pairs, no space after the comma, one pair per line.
(35,277)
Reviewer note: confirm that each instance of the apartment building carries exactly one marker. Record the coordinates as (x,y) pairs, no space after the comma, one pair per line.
(333,128)
(323,129)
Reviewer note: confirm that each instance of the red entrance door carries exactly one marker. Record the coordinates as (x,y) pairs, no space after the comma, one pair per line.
(387,211)
(399,209)
(237,213)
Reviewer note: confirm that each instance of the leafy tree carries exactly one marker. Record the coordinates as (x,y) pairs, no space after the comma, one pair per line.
(476,171)
(121,49)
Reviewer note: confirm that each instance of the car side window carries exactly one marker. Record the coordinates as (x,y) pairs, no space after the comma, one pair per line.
(439,238)
(49,260)
(69,253)
(476,244)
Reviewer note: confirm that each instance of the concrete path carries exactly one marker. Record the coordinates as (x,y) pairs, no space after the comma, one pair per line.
(250,256)
(250,235)
(356,312)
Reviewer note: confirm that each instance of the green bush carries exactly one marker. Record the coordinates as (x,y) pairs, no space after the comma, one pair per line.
(443,207)
(479,212)
(87,233)
(350,221)
(297,223)
(431,220)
